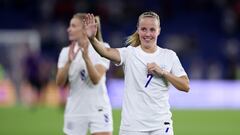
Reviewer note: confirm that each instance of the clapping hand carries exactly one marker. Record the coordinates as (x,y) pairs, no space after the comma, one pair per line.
(71,53)
(84,49)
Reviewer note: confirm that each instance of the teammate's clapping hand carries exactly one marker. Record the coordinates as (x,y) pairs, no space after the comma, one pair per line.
(72,54)
(84,49)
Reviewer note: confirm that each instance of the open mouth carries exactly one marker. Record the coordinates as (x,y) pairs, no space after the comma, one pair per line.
(147,39)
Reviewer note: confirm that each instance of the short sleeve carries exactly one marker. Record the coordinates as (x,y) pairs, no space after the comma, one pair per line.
(63,57)
(123,55)
(103,61)
(177,68)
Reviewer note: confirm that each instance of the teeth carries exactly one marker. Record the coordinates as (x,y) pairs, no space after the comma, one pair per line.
(147,39)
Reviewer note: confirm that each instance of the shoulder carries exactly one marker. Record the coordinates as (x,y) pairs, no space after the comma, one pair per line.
(166,51)
(126,48)
(130,48)
(65,49)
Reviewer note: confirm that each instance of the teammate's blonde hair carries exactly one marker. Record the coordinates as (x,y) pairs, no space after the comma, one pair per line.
(82,17)
(133,39)
(99,33)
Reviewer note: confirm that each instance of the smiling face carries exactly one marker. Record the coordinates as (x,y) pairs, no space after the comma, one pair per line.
(75,29)
(148,31)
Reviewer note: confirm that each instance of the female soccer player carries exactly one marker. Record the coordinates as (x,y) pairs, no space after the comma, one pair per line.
(88,105)
(148,70)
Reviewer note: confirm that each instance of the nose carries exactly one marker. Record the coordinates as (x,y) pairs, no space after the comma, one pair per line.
(68,30)
(148,33)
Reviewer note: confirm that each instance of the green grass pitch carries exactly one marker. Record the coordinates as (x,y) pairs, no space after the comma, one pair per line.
(49,121)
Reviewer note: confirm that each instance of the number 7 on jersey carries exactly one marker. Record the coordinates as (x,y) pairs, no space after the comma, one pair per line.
(149,78)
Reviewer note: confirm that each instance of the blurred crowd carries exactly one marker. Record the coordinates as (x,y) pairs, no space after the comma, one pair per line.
(204,33)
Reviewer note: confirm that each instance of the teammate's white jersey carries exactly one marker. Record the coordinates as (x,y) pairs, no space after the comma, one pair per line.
(145,104)
(84,98)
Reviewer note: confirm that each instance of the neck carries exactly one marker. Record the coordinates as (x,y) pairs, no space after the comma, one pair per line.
(149,49)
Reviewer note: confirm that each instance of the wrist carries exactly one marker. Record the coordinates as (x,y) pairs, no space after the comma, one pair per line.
(68,62)
(86,58)
(92,39)
(164,72)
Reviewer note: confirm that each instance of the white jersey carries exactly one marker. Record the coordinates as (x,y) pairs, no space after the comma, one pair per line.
(145,104)
(84,97)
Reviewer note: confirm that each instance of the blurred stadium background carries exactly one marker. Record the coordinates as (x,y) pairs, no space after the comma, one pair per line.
(204,33)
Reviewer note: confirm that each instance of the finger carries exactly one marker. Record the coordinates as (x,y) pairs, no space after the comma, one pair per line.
(92,19)
(150,72)
(71,49)
(85,22)
(153,69)
(87,19)
(150,66)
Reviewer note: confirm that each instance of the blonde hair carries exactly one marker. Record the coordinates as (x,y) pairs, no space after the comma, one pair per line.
(99,33)
(82,17)
(133,39)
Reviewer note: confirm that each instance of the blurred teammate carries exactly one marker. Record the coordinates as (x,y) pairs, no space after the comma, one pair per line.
(88,105)
(148,70)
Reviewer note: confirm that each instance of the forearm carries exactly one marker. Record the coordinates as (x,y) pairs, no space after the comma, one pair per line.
(181,83)
(97,45)
(94,75)
(62,75)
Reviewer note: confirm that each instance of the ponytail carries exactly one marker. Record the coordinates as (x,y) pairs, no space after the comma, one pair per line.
(133,40)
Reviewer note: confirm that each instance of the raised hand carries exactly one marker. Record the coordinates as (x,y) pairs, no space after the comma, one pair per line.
(90,25)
